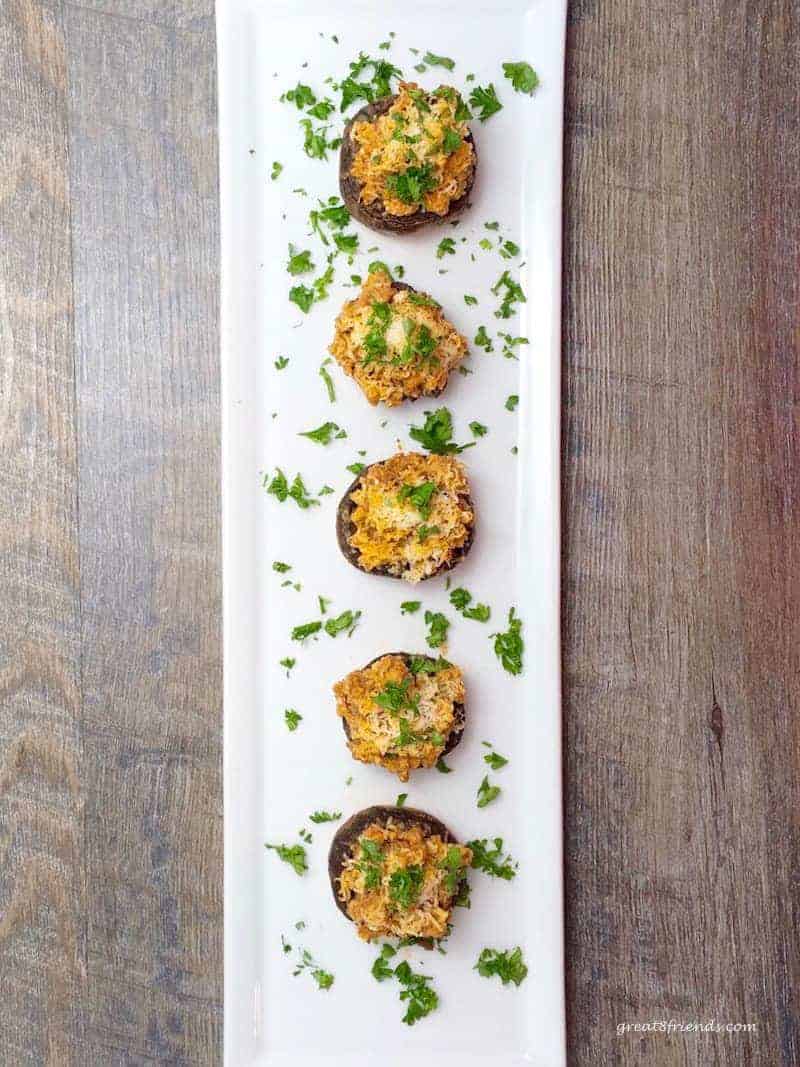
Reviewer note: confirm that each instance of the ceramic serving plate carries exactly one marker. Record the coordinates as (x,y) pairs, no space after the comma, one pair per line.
(273,391)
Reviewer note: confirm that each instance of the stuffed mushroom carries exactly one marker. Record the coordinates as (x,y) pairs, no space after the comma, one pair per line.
(395,342)
(408,160)
(397,872)
(409,516)
(402,712)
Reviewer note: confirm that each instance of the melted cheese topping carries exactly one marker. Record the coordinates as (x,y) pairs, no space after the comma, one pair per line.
(407,369)
(413,136)
(376,910)
(428,706)
(389,530)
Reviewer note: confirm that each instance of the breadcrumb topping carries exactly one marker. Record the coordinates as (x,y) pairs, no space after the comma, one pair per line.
(396,344)
(396,718)
(399,882)
(395,530)
(416,156)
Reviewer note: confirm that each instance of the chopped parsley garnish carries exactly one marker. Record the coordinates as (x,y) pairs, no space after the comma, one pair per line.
(438,626)
(299,262)
(494,759)
(508,249)
(491,860)
(276,170)
(451,141)
(510,343)
(442,767)
(322,110)
(288,663)
(437,432)
(426,665)
(281,362)
(294,855)
(405,885)
(446,247)
(484,101)
(478,429)
(409,736)
(469,299)
(509,646)
(324,434)
(322,282)
(302,296)
(348,620)
(491,225)
(380,85)
(418,495)
(306,962)
(513,295)
(454,865)
(325,375)
(394,697)
(356,468)
(323,604)
(315,143)
(332,213)
(522,76)
(326,490)
(410,186)
(325,816)
(346,242)
(301,96)
(281,568)
(371,863)
(374,342)
(380,968)
(419,996)
(293,719)
(401,799)
(408,607)
(482,339)
(420,343)
(461,598)
(306,630)
(487,793)
(438,61)
(507,966)
(280,488)
(511,402)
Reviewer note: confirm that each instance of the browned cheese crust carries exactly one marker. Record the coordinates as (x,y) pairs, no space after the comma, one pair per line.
(397,872)
(382,530)
(408,160)
(396,343)
(402,712)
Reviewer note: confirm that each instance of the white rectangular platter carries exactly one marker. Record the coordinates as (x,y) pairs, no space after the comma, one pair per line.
(275,778)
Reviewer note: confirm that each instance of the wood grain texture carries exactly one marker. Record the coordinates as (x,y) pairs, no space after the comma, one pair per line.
(681,532)
(144,219)
(681,557)
(42,792)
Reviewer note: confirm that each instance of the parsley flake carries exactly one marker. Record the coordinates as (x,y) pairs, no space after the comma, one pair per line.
(507,966)
(522,76)
(294,855)
(292,718)
(509,646)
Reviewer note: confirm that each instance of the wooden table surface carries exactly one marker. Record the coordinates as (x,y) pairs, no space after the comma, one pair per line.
(681,555)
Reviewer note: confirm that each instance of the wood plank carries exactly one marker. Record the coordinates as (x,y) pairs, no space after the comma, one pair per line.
(144,193)
(195,15)
(682,532)
(42,875)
